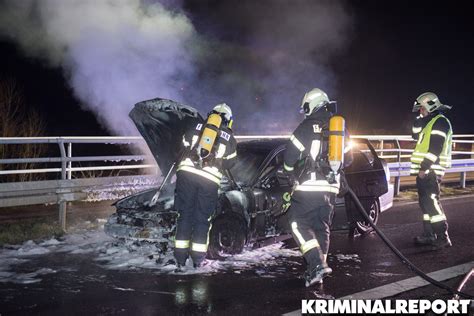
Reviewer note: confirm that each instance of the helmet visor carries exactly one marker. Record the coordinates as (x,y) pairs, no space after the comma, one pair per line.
(430,106)
(416,107)
(304,107)
(331,106)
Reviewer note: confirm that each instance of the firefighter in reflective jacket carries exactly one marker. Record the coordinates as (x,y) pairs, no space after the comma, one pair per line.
(312,201)
(431,157)
(210,148)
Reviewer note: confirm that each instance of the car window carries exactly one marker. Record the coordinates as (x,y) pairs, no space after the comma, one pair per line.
(365,150)
(248,162)
(363,157)
(273,165)
(269,177)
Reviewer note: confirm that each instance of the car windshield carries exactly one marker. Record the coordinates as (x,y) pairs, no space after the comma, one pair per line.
(250,156)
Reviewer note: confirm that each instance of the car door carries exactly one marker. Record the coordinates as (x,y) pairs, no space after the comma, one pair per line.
(268,188)
(366,175)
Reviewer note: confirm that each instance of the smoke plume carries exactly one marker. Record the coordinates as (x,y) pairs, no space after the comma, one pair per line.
(260,57)
(114,52)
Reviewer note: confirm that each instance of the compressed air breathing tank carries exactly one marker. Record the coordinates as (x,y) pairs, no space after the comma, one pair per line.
(209,134)
(336,142)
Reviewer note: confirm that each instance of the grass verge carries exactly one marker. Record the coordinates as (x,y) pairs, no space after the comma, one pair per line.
(31,229)
(411,194)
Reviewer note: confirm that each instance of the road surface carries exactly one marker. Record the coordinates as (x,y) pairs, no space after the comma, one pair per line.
(82,284)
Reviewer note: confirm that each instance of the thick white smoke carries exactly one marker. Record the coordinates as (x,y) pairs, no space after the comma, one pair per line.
(114,52)
(258,56)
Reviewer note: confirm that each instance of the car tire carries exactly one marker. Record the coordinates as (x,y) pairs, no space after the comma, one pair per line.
(363,227)
(227,237)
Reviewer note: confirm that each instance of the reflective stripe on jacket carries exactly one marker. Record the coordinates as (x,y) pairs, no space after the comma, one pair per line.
(211,173)
(438,163)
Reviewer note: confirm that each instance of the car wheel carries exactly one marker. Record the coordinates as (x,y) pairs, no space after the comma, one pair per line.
(227,236)
(363,227)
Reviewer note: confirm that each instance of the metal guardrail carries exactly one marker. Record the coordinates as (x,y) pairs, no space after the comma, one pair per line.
(66,159)
(397,157)
(63,191)
(396,149)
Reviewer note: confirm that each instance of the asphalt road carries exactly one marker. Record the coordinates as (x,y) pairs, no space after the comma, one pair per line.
(86,287)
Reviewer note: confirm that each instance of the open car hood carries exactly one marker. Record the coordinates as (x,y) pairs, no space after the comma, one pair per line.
(162,124)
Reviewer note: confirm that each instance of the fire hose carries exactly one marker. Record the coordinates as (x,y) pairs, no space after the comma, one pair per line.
(404,259)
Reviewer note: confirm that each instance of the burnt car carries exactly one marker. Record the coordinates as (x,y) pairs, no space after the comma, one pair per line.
(250,197)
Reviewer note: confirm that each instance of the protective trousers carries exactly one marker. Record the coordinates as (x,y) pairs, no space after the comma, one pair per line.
(310,218)
(434,219)
(195,201)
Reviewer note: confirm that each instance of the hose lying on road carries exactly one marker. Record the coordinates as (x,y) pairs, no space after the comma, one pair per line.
(404,260)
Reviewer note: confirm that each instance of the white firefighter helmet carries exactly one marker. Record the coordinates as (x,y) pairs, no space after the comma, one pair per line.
(430,102)
(226,113)
(313,101)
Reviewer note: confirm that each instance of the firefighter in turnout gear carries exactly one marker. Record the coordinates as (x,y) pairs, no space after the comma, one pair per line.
(210,149)
(307,160)
(431,157)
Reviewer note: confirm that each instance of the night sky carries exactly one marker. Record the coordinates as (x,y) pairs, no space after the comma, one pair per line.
(392,52)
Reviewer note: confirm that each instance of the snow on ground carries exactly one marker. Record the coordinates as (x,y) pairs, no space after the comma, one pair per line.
(112,254)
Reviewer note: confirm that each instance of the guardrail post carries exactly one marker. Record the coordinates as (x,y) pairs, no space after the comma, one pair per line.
(463,180)
(69,164)
(62,150)
(62,214)
(62,204)
(396,189)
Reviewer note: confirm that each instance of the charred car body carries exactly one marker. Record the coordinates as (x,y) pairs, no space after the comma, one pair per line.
(249,207)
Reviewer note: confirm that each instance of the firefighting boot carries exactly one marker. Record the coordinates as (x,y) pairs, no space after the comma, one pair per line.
(316,275)
(200,264)
(443,240)
(199,259)
(425,240)
(428,237)
(317,268)
(180,265)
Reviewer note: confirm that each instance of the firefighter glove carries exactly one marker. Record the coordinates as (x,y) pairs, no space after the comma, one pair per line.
(286,201)
(331,177)
(287,176)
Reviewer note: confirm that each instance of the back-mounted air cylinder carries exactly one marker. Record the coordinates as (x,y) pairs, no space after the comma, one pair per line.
(337,130)
(209,134)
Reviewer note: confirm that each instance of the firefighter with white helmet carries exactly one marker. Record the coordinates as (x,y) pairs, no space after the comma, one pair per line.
(430,158)
(210,149)
(314,157)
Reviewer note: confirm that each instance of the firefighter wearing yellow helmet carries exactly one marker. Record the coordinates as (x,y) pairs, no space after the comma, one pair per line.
(211,148)
(313,158)
(430,158)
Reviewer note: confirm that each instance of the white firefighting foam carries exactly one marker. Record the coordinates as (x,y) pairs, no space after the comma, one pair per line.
(111,254)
